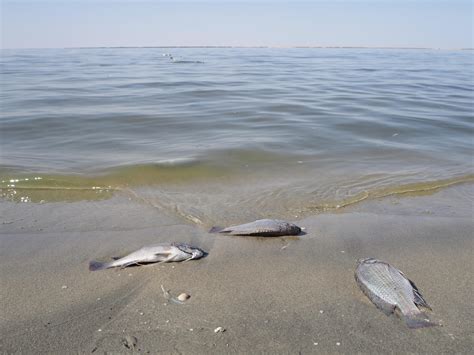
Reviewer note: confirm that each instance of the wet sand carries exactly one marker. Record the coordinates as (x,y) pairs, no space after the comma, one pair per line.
(283,295)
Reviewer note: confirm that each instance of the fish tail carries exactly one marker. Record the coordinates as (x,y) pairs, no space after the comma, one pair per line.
(96,265)
(418,320)
(216,229)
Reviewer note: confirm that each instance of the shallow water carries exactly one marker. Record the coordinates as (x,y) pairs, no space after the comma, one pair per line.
(253,132)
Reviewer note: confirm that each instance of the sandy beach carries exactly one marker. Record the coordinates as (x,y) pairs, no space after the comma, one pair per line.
(129,130)
(276,295)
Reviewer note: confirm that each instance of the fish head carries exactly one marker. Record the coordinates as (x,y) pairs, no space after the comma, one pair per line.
(195,253)
(294,229)
(366,261)
(289,228)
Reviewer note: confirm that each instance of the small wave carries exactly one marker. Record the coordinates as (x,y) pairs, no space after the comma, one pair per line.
(202,193)
(176,161)
(414,189)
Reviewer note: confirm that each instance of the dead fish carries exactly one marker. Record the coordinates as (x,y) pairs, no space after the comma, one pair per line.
(162,253)
(261,227)
(390,290)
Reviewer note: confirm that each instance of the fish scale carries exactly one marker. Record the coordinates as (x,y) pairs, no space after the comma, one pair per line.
(388,287)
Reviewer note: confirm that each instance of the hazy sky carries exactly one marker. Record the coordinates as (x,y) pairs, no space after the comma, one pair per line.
(382,23)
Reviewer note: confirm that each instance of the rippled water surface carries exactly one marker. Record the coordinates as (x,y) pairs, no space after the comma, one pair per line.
(234,133)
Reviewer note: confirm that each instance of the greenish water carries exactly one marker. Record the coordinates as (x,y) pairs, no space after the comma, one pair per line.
(252,132)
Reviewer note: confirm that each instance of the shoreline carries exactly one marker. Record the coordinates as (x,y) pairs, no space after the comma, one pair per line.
(278,295)
(199,200)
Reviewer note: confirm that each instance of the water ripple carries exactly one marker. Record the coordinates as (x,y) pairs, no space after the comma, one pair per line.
(308,115)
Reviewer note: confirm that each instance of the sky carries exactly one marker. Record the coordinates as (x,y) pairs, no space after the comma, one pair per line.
(108,23)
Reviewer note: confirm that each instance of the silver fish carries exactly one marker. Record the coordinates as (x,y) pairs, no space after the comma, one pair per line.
(389,289)
(163,253)
(261,227)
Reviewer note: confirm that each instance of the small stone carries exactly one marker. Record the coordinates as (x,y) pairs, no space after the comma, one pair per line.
(64,287)
(219,330)
(99,330)
(183,297)
(321,311)
(315,343)
(338,343)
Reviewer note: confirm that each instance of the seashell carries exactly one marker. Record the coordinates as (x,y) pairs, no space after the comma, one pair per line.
(183,297)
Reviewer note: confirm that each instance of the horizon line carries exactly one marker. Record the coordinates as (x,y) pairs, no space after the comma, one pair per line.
(249,47)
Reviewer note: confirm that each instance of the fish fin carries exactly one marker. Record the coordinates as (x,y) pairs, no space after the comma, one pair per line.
(387,309)
(96,265)
(419,300)
(128,264)
(217,229)
(150,264)
(116,257)
(416,320)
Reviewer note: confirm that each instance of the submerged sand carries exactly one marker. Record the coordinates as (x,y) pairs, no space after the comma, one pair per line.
(284,295)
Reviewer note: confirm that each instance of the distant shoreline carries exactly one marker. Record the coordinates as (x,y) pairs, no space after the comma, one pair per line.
(254,47)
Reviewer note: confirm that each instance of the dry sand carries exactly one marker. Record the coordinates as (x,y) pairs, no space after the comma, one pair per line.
(278,295)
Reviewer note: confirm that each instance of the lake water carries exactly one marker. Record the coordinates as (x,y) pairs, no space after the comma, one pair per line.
(223,134)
